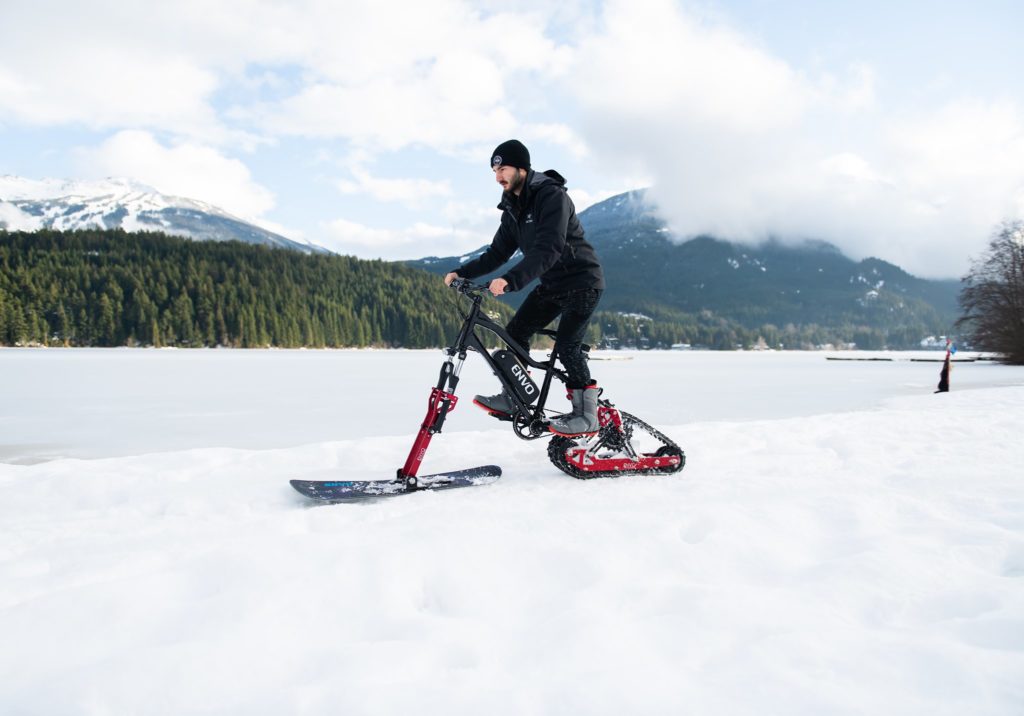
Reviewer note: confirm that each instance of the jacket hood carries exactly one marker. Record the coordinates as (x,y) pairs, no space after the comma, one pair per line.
(554,176)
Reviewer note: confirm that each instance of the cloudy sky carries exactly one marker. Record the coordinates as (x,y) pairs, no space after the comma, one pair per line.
(893,129)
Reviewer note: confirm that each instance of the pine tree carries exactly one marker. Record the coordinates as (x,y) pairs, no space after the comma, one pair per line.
(106,328)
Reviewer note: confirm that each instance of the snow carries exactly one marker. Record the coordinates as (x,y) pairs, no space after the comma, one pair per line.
(21,188)
(78,204)
(841,541)
(637,316)
(70,205)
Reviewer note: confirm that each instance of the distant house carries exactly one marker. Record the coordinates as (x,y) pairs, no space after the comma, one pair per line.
(933,343)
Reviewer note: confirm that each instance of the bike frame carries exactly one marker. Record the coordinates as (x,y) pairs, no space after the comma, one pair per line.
(442,396)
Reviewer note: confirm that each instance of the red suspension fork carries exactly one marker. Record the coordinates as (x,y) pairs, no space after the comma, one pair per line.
(442,401)
(439,405)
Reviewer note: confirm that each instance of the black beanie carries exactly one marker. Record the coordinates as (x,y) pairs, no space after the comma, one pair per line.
(512,153)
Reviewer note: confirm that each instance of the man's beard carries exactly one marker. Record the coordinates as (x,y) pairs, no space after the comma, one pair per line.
(516,182)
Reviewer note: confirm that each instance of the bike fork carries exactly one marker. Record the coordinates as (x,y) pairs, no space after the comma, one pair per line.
(441,402)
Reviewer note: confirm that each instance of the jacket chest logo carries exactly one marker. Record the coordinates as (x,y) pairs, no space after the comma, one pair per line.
(529,218)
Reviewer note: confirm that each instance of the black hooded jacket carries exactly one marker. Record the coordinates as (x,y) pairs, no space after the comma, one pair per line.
(542,223)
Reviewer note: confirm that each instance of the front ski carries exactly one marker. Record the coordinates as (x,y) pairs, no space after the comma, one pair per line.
(357,490)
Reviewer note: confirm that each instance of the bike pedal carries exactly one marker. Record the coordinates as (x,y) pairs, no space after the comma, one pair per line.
(504,417)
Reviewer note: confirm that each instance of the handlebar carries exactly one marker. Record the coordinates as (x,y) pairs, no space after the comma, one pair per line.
(464,285)
(468,288)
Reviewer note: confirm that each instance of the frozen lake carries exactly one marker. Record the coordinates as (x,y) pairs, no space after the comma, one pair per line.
(92,403)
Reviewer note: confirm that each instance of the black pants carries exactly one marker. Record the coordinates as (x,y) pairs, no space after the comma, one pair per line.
(575,307)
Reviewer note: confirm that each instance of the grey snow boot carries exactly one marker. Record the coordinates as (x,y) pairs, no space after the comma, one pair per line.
(498,404)
(583,418)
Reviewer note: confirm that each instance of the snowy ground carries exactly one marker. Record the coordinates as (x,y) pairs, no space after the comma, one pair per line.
(842,541)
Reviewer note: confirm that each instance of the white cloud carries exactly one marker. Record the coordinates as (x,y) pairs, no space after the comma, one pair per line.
(651,61)
(386,75)
(416,241)
(14,219)
(188,170)
(409,192)
(557,134)
(390,115)
(848,165)
(856,93)
(741,145)
(482,217)
(434,77)
(106,86)
(736,140)
(583,199)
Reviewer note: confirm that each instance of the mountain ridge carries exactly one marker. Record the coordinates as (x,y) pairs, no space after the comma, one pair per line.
(762,286)
(120,203)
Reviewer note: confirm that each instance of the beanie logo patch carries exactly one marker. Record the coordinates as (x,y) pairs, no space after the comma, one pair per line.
(496,161)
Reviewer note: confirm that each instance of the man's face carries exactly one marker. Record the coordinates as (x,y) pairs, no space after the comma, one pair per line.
(510,178)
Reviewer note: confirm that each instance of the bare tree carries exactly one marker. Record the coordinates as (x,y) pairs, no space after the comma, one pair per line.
(992,297)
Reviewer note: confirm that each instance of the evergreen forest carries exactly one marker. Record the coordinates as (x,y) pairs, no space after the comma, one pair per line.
(114,288)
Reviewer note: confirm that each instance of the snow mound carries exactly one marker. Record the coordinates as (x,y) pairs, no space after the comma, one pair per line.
(863,562)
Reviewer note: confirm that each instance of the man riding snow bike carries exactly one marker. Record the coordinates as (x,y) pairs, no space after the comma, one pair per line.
(621,445)
(608,450)
(539,219)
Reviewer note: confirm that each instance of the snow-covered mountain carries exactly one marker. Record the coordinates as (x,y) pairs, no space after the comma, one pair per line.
(773,283)
(67,205)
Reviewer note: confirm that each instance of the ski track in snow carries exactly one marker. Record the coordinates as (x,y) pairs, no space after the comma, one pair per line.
(861,562)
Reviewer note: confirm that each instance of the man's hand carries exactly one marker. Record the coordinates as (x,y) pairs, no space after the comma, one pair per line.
(497,286)
(449,277)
